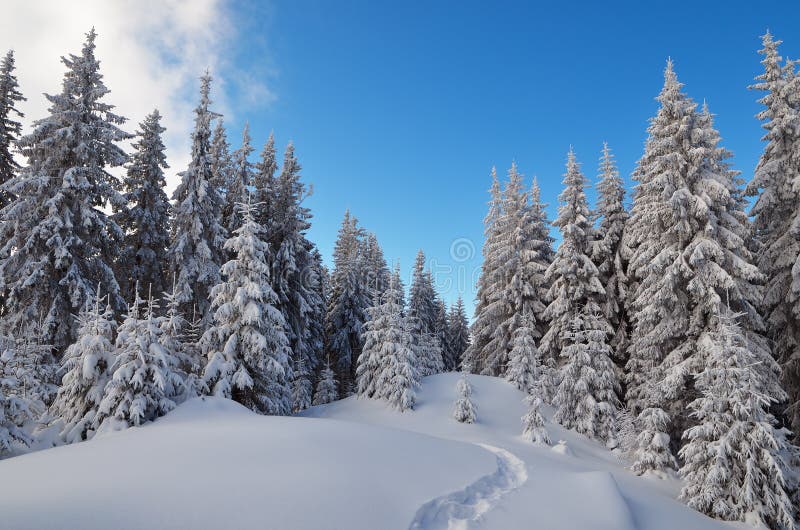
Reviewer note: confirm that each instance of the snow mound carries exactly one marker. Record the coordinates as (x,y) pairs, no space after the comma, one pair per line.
(353,464)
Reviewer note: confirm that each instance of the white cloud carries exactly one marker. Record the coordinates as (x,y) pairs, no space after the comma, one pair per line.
(151,51)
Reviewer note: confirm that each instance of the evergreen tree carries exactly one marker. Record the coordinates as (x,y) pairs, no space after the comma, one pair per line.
(732,464)
(776,214)
(607,252)
(61,243)
(347,304)
(536,255)
(421,318)
(197,235)
(651,453)
(486,309)
(377,272)
(586,398)
(575,289)
(87,366)
(220,160)
(144,216)
(691,252)
(143,382)
(179,338)
(533,429)
(377,331)
(523,371)
(457,336)
(10,127)
(29,368)
(464,411)
(326,387)
(239,178)
(247,349)
(264,182)
(14,415)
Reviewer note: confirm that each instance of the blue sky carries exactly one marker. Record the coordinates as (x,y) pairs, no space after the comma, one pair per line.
(398,110)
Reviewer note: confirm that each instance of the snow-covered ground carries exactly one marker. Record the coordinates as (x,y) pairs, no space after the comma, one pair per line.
(352,464)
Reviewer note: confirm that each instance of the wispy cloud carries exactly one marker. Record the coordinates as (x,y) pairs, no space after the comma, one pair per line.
(151,52)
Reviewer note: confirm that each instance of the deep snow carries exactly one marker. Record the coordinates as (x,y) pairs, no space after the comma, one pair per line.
(353,464)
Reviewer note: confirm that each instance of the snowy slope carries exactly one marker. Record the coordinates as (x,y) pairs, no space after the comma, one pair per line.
(352,465)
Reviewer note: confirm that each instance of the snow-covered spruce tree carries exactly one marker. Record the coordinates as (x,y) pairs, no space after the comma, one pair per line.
(144,216)
(776,214)
(264,182)
(220,160)
(14,415)
(692,252)
(575,288)
(537,254)
(197,235)
(239,177)
(651,453)
(87,366)
(464,411)
(377,330)
(732,463)
(294,272)
(377,271)
(533,429)
(421,318)
(144,382)
(347,304)
(10,127)
(29,364)
(606,252)
(486,314)
(179,338)
(326,387)
(61,242)
(457,335)
(586,397)
(523,359)
(247,349)
(441,330)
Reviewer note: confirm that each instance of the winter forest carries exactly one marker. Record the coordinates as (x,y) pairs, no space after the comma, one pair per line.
(663,325)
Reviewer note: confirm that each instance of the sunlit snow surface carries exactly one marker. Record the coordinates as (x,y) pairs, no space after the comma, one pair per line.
(353,465)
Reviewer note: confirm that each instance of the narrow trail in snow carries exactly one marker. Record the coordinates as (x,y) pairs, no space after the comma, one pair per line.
(456,510)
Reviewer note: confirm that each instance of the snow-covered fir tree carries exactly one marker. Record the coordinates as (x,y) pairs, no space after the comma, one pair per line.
(144,216)
(377,334)
(486,309)
(179,337)
(295,274)
(457,336)
(220,159)
(377,271)
(732,462)
(523,359)
(264,182)
(651,452)
(776,214)
(464,410)
(575,289)
(389,367)
(586,397)
(239,177)
(10,126)
(247,349)
(326,387)
(441,328)
(421,317)
(536,256)
(143,382)
(533,429)
(196,252)
(348,301)
(28,364)
(607,252)
(62,243)
(689,250)
(14,416)
(87,366)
